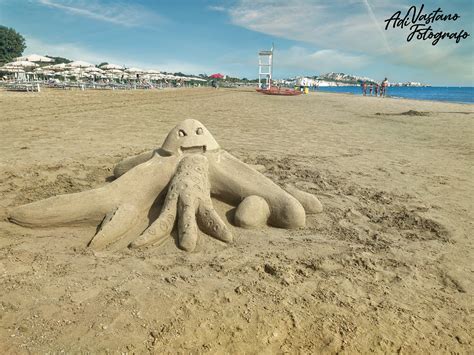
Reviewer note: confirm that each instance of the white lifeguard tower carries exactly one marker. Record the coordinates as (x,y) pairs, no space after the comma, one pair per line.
(265,68)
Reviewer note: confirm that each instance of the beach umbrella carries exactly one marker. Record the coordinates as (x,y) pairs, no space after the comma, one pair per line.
(43,72)
(217,76)
(67,73)
(7,67)
(10,69)
(114,71)
(56,67)
(111,66)
(35,58)
(22,64)
(152,71)
(134,71)
(80,64)
(93,70)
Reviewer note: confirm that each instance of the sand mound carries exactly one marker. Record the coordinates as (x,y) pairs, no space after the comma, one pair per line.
(406,113)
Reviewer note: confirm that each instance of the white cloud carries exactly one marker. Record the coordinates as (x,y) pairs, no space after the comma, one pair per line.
(444,63)
(325,24)
(118,13)
(350,32)
(71,51)
(322,61)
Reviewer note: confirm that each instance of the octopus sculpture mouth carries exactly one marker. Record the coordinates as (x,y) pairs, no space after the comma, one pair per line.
(193,150)
(176,180)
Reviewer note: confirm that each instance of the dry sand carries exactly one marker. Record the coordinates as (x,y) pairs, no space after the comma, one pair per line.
(387,267)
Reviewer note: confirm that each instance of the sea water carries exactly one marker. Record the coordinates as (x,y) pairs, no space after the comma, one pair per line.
(435,93)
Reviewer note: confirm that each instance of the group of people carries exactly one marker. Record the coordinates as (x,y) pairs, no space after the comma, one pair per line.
(375,89)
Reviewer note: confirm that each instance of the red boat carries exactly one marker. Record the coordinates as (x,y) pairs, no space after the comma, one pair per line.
(278,91)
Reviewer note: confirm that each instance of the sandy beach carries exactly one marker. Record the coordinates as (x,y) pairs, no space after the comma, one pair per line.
(387,267)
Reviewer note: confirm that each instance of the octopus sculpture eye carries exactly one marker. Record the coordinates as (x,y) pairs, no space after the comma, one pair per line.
(182,133)
(199,131)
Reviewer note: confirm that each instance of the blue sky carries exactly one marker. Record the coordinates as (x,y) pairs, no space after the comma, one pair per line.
(207,36)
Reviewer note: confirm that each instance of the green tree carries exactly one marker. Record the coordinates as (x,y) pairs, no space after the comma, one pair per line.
(59,60)
(101,64)
(12,44)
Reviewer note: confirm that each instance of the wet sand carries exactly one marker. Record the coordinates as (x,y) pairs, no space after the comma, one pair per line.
(387,267)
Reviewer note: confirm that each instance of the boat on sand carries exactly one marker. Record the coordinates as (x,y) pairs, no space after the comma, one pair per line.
(279,91)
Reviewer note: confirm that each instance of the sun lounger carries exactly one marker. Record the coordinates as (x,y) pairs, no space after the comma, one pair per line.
(25,87)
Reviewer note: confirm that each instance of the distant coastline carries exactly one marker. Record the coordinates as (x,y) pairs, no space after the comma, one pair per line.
(341,79)
(464,95)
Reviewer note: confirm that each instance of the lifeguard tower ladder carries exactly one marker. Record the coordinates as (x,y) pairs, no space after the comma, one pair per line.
(265,68)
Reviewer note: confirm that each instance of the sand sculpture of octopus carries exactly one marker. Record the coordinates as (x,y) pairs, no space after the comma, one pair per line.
(180,177)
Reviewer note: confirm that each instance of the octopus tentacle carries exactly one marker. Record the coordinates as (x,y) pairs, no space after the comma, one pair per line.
(129,163)
(187,226)
(211,223)
(160,229)
(232,181)
(93,205)
(310,202)
(63,209)
(189,201)
(115,225)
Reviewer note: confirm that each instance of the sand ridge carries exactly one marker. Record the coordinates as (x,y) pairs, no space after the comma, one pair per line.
(386,267)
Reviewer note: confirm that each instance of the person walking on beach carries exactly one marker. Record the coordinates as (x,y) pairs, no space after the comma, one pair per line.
(377,87)
(364,88)
(370,89)
(383,90)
